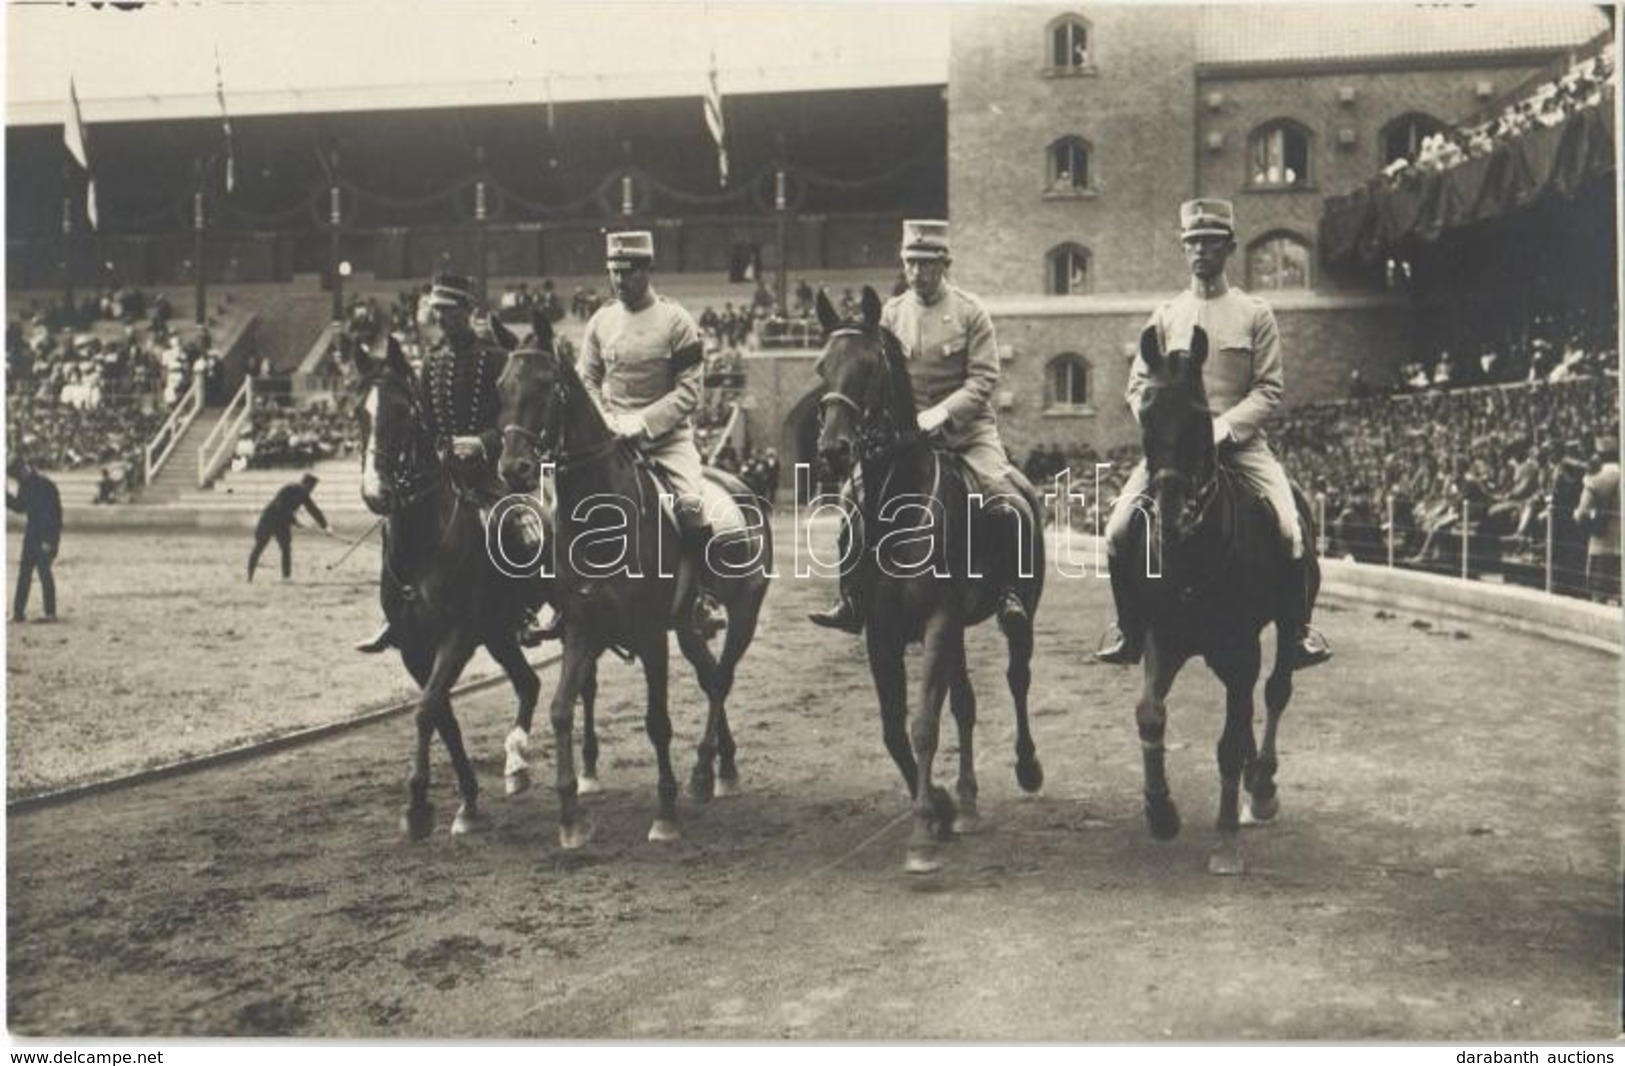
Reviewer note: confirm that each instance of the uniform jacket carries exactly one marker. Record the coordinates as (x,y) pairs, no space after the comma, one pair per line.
(953,359)
(460,392)
(38,499)
(1243,369)
(647,363)
(279,513)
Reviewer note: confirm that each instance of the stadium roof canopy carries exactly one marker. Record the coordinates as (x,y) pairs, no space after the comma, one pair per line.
(285,57)
(1296,33)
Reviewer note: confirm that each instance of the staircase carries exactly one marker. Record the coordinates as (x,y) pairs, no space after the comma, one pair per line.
(180,473)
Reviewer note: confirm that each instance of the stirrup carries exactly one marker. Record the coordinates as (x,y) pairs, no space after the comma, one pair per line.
(533,633)
(1311,649)
(844,616)
(1117,648)
(382,640)
(1011,610)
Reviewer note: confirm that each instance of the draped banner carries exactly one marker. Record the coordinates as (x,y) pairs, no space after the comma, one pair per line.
(1370,222)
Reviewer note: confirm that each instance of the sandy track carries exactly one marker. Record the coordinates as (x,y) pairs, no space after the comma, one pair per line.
(1444,868)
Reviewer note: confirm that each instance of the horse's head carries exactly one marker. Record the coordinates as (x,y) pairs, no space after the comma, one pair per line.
(867,402)
(533,387)
(1176,429)
(396,453)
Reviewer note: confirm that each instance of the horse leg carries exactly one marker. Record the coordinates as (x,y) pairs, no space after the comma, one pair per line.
(1259,773)
(588,782)
(742,621)
(657,723)
(434,712)
(1237,667)
(962,704)
(891,686)
(579,662)
(933,809)
(702,781)
(504,648)
(1151,716)
(1019,675)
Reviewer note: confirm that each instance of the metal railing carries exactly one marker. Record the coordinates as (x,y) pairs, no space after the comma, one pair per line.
(1532,556)
(216,450)
(169,434)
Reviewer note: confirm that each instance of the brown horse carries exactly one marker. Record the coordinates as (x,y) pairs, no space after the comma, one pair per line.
(615,582)
(913,503)
(1221,575)
(442,594)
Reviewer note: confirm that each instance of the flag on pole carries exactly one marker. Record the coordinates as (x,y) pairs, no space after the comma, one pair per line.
(73,136)
(713,121)
(225,123)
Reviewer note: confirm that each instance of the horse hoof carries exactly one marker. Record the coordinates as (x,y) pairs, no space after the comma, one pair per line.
(517,782)
(1030,776)
(1258,812)
(417,822)
(1162,818)
(587,786)
(469,821)
(967,823)
(920,861)
(1225,861)
(727,786)
(664,831)
(575,836)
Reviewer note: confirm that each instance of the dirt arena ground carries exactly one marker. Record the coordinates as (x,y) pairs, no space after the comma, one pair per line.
(1445,866)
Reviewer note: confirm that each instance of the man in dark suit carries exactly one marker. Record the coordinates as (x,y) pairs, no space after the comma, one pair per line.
(38,499)
(277,520)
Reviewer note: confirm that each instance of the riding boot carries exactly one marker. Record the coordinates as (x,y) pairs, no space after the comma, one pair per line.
(705,613)
(847,613)
(1311,649)
(1124,641)
(1011,609)
(382,640)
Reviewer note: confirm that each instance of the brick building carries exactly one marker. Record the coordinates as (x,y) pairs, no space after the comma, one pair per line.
(1074,133)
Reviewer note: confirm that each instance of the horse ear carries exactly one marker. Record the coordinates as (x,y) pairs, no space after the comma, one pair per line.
(871,307)
(827,316)
(395,358)
(1151,348)
(504,336)
(1198,347)
(541,331)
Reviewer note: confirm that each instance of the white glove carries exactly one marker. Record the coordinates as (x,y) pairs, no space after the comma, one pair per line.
(1221,431)
(468,448)
(629,427)
(932,419)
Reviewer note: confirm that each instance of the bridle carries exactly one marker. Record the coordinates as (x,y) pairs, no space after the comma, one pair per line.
(409,479)
(549,445)
(877,436)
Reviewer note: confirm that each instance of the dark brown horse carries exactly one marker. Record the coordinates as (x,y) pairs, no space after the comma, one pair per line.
(1222,574)
(442,594)
(913,502)
(615,576)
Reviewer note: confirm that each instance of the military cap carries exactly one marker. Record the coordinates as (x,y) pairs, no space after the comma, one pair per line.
(1207,218)
(451,290)
(629,246)
(925,238)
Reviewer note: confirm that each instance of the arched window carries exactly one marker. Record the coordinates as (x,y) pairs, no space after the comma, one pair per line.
(1067,166)
(1067,270)
(1402,138)
(1278,156)
(1279,260)
(1069,45)
(1066,384)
